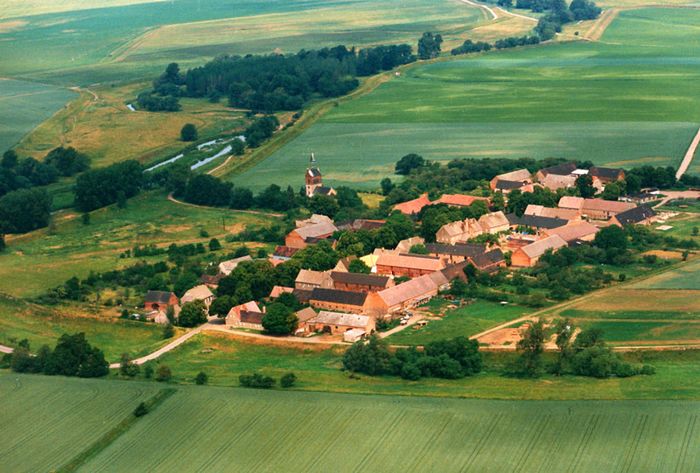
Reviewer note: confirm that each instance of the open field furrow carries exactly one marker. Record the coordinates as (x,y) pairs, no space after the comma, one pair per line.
(591,425)
(685,446)
(481,443)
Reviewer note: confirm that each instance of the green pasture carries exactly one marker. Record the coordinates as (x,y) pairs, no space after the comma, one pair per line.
(48,420)
(686,276)
(40,260)
(630,99)
(44,325)
(643,332)
(631,315)
(463,321)
(24,105)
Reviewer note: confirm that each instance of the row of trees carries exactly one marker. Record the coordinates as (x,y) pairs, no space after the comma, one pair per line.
(72,356)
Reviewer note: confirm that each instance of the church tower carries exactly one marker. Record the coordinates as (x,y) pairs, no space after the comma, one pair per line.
(314,180)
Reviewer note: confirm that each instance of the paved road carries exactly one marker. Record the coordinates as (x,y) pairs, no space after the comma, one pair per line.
(688,158)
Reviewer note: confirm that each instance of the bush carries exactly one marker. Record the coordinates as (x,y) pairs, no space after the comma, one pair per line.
(141,410)
(256,380)
(163,373)
(288,380)
(647,370)
(168,331)
(127,367)
(148,371)
(201,378)
(188,132)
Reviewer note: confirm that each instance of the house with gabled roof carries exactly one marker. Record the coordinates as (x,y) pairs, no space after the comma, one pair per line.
(452,254)
(413,207)
(389,264)
(542,211)
(606,175)
(575,231)
(335,299)
(563,169)
(248,315)
(403,296)
(494,222)
(529,255)
(511,180)
(227,267)
(460,231)
(359,282)
(335,323)
(534,221)
(458,200)
(641,215)
(308,279)
(303,236)
(160,300)
(198,293)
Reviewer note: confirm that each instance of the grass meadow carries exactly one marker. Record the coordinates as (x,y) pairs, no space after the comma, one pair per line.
(630,99)
(24,105)
(50,420)
(39,260)
(463,321)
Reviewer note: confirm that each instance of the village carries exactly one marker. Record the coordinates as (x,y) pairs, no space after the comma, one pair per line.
(343,304)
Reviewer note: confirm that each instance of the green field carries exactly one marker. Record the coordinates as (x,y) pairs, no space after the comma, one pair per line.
(49,421)
(642,332)
(38,261)
(686,276)
(464,321)
(629,99)
(24,105)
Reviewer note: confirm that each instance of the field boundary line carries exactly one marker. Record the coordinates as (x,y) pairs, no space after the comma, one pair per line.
(540,428)
(582,445)
(114,433)
(252,212)
(690,428)
(636,438)
(481,443)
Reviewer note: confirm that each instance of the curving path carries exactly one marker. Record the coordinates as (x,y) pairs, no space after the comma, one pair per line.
(162,351)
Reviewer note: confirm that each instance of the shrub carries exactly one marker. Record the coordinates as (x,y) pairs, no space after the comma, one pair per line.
(188,132)
(647,370)
(256,380)
(141,410)
(148,371)
(288,380)
(163,373)
(201,378)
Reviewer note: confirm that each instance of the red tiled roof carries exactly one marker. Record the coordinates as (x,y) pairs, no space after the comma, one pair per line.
(413,206)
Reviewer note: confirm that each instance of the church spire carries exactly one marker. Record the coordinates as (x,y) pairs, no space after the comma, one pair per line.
(312,159)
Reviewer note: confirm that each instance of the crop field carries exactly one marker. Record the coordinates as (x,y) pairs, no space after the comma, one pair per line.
(23,105)
(464,321)
(103,127)
(44,325)
(685,277)
(37,261)
(48,420)
(630,99)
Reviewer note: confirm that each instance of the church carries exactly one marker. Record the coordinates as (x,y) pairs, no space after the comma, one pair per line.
(314,180)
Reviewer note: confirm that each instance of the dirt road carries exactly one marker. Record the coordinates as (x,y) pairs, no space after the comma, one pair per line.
(162,351)
(688,158)
(252,212)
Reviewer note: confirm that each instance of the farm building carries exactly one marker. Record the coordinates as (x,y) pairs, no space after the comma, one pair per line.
(211,281)
(641,215)
(157,300)
(511,180)
(640,198)
(572,203)
(335,299)
(359,282)
(606,175)
(314,180)
(542,211)
(555,182)
(459,231)
(246,315)
(304,236)
(536,222)
(354,335)
(402,296)
(458,200)
(489,261)
(450,254)
(361,224)
(343,264)
(313,220)
(407,265)
(308,279)
(505,187)
(199,293)
(575,231)
(227,267)
(413,207)
(599,209)
(284,253)
(529,255)
(494,222)
(338,323)
(564,169)
(305,314)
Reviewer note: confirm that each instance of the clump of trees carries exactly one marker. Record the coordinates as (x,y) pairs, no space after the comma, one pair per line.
(72,356)
(429,45)
(586,355)
(471,47)
(188,132)
(24,210)
(279,319)
(101,187)
(256,380)
(451,359)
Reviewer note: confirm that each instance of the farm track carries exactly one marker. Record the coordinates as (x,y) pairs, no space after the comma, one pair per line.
(689,155)
(251,212)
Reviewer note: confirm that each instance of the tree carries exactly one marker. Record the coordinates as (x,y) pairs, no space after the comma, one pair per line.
(241,198)
(584,10)
(204,189)
(290,300)
(101,187)
(192,314)
(168,331)
(74,356)
(256,380)
(288,380)
(163,373)
(358,266)
(419,249)
(584,185)
(188,132)
(386,185)
(2,241)
(221,306)
(9,159)
(127,367)
(24,210)
(531,346)
(564,331)
(279,319)
(86,218)
(429,45)
(67,161)
(324,205)
(201,378)
(406,164)
(372,358)
(214,245)
(148,371)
